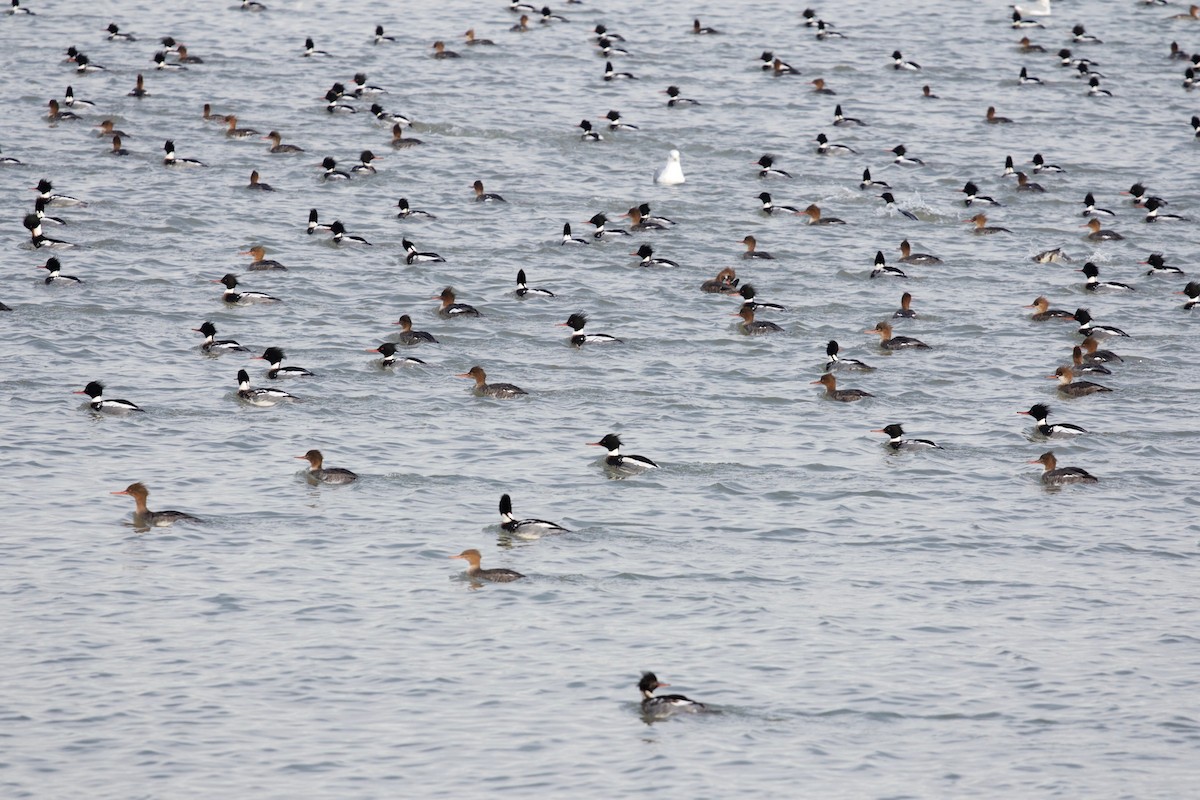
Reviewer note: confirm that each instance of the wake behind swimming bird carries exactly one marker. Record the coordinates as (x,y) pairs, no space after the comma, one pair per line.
(670,173)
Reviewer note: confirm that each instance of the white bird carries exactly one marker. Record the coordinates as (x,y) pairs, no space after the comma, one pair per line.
(670,173)
(1039,9)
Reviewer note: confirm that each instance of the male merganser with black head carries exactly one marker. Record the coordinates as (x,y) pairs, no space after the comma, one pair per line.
(1094,284)
(236,298)
(767,170)
(973,196)
(601,30)
(1082,367)
(827,148)
(84,65)
(264,396)
(607,50)
(39,239)
(897,442)
(837,363)
(1084,70)
(440,52)
(215,346)
(95,391)
(1025,79)
(843,121)
(39,211)
(1026,185)
(382,115)
(1094,355)
(406,212)
(1054,256)
(726,282)
(53,266)
(615,461)
(1086,328)
(567,238)
(611,74)
(45,191)
(676,100)
(380,37)
(400,142)
(332,173)
(615,123)
(332,106)
(388,351)
(810,18)
(826,31)
(815,218)
(1009,169)
(16,10)
(1054,475)
(890,206)
(1040,165)
(171,160)
(477,573)
(415,256)
(1196,126)
(1080,35)
(889,342)
(364,166)
(117,149)
(601,232)
(500,391)
(748,293)
(819,87)
(907,256)
(161,63)
(982,228)
(253,6)
(663,705)
(1094,89)
(1090,210)
(472,40)
(1044,313)
(409,337)
(549,17)
(1020,22)
(1138,196)
(1153,215)
(905,310)
(274,357)
(364,89)
(451,309)
(588,135)
(524,291)
(905,160)
(752,327)
(70,101)
(1069,387)
(578,338)
(1039,412)
(767,58)
(1158,266)
(525,528)
(646,254)
(840,395)
(257,185)
(899,63)
(1065,59)
(1098,235)
(341,237)
(868,183)
(884,270)
(751,250)
(770,208)
(313,224)
(143,517)
(320,474)
(1192,290)
(653,219)
(485,197)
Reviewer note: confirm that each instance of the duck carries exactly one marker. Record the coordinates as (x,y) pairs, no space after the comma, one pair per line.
(406,212)
(1086,328)
(897,442)
(646,254)
(1053,256)
(569,239)
(868,183)
(840,395)
(726,282)
(982,228)
(413,256)
(1093,354)
(1039,412)
(752,252)
(589,135)
(332,173)
(907,256)
(842,121)
(610,74)
(884,270)
(56,114)
(274,357)
(262,397)
(1094,284)
(889,342)
(500,391)
(236,298)
(992,118)
(144,518)
(407,336)
(364,165)
(340,236)
(215,346)
(1090,210)
(277,146)
(234,132)
(485,197)
(170,159)
(402,142)
(621,463)
(451,309)
(898,63)
(1025,79)
(440,52)
(261,263)
(1054,475)
(1044,313)
(601,233)
(578,338)
(390,359)
(473,41)
(1040,165)
(1158,266)
(257,185)
(523,291)
(1081,367)
(1069,387)
(905,310)
(973,196)
(53,266)
(1098,235)
(769,208)
(752,327)
(525,528)
(701,30)
(664,705)
(638,223)
(1152,214)
(616,123)
(677,100)
(903,159)
(1192,292)
(828,148)
(477,573)
(97,402)
(1026,185)
(819,87)
(317,473)
(767,169)
(837,363)
(815,218)
(890,205)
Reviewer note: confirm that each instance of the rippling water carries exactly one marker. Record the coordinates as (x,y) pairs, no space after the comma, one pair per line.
(865,624)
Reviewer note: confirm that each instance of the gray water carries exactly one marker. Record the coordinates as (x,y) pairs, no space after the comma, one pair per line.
(863,624)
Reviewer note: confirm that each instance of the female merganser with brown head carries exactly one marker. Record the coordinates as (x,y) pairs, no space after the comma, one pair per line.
(701,30)
(1159,266)
(578,338)
(139,89)
(319,474)
(815,218)
(143,517)
(751,249)
(53,266)
(106,129)
(264,396)
(927,93)
(472,41)
(983,229)
(440,51)
(753,327)
(663,705)
(1026,185)
(1069,387)
(1086,328)
(1081,367)
(274,357)
(234,132)
(907,256)
(1039,412)
(1054,475)
(525,528)
(1094,355)
(261,263)
(485,197)
(408,336)
(615,461)
(766,170)
(726,282)
(840,395)
(1044,313)
(993,118)
(905,311)
(884,270)
(257,185)
(819,87)
(211,117)
(216,346)
(771,209)
(411,213)
(523,291)
(1098,235)
(781,67)
(236,298)
(501,391)
(117,149)
(451,309)
(646,253)
(95,391)
(1094,284)
(889,342)
(836,363)
(475,572)
(390,359)
(748,293)
(896,440)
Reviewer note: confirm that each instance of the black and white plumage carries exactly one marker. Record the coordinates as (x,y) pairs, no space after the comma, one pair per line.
(522,291)
(578,338)
(263,396)
(235,298)
(646,254)
(97,402)
(274,357)
(414,256)
(890,206)
(568,238)
(621,463)
(837,363)
(882,269)
(525,528)
(1062,430)
(896,440)
(666,704)
(390,359)
(748,293)
(171,160)
(1094,284)
(215,346)
(55,278)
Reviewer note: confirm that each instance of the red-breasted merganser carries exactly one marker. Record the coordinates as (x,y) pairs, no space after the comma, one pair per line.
(1094,88)
(646,254)
(452,310)
(751,249)
(95,391)
(578,338)
(332,106)
(903,159)
(841,395)
(927,93)
(889,342)
(701,30)
(525,528)
(549,17)
(52,264)
(216,346)
(1094,284)
(364,89)
(523,291)
(1026,185)
(827,148)
(601,232)
(588,134)
(341,237)
(1086,328)
(1020,22)
(408,336)
(766,168)
(1025,79)
(261,263)
(1039,412)
(838,364)
(413,255)
(896,440)
(410,213)
(253,6)
(46,193)
(475,572)
(1080,35)
(1090,210)
(666,704)
(1040,165)
(161,63)
(1192,291)
(905,310)
(638,223)
(1098,235)
(381,37)
(84,65)
(726,282)
(899,63)
(1158,266)
(983,229)
(890,206)
(1044,313)
(1069,387)
(472,41)
(390,359)
(440,51)
(70,101)
(615,461)
(501,391)
(676,99)
(567,238)
(39,211)
(842,121)
(236,298)
(332,173)
(770,208)
(522,25)
(117,149)
(993,118)
(115,35)
(1138,196)
(171,160)
(144,518)
(364,165)
(826,31)
(781,67)
(234,132)
(211,117)
(485,197)
(274,357)
(1153,215)
(752,327)
(257,185)
(884,270)
(654,219)
(264,396)
(611,74)
(868,183)
(1081,367)
(907,256)
(615,123)
(1054,256)
(39,239)
(748,293)
(1095,355)
(815,218)
(107,128)
(973,196)
(319,474)
(1054,475)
